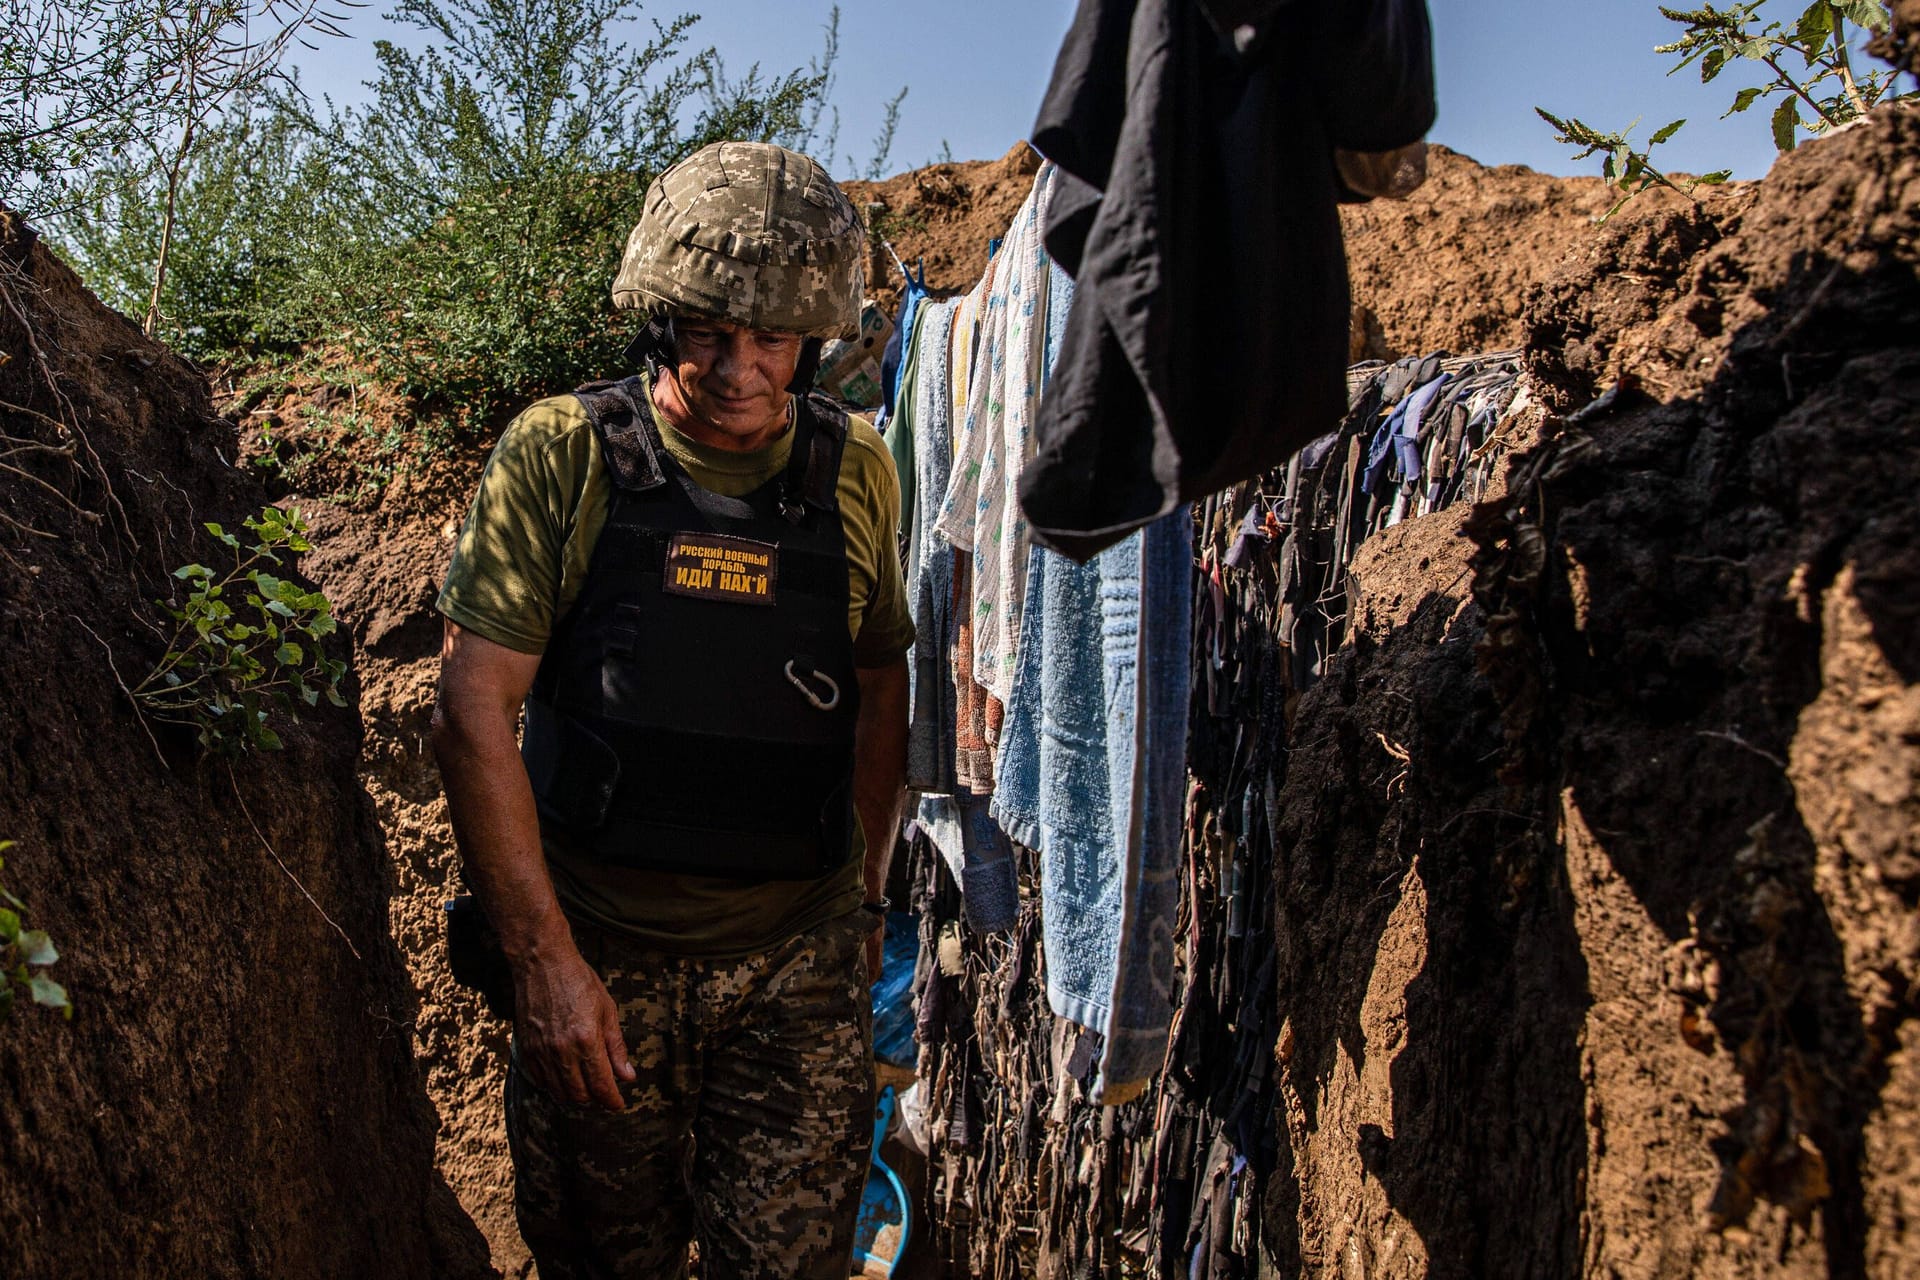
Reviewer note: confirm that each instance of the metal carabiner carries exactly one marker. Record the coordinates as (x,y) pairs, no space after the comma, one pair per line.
(801,684)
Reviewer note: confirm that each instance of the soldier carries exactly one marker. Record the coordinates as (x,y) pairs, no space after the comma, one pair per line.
(689,580)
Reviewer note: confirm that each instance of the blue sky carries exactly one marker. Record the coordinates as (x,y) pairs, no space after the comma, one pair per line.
(975,71)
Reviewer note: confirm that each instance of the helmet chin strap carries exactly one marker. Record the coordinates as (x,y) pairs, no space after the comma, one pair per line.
(808,367)
(652,347)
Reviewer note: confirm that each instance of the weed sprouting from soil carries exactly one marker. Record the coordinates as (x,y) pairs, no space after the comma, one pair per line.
(245,642)
(24,956)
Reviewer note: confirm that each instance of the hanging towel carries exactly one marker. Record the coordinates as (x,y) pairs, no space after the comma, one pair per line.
(973,710)
(1148,792)
(900,342)
(933,720)
(981,514)
(898,433)
(1093,769)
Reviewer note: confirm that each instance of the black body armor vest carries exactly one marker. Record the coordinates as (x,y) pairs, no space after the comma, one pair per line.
(695,712)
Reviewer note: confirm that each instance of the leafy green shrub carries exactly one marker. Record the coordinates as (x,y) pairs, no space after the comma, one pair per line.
(1826,84)
(1627,169)
(237,255)
(478,205)
(457,234)
(245,642)
(24,955)
(1819,38)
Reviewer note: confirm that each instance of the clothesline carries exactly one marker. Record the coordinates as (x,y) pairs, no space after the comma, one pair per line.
(1099,749)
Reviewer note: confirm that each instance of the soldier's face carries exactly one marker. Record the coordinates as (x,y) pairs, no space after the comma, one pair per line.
(729,383)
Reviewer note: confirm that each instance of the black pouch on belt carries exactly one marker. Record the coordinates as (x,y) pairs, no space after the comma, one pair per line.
(475,957)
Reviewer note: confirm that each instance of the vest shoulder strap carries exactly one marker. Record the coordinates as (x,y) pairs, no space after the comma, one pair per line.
(626,439)
(820,485)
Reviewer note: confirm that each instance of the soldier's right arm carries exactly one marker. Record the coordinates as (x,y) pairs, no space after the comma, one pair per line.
(566,1026)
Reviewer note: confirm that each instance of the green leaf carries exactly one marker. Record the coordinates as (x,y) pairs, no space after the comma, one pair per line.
(333,696)
(1711,64)
(289,655)
(280,607)
(48,993)
(1864,13)
(186,571)
(214,529)
(1742,100)
(1786,122)
(267,738)
(1665,131)
(9,926)
(1714,179)
(1815,24)
(37,948)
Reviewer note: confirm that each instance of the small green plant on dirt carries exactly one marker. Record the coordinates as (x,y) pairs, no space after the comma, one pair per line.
(884,226)
(1824,83)
(1628,170)
(245,642)
(24,956)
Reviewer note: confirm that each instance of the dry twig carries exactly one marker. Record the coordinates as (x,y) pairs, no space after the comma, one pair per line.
(133,701)
(235,783)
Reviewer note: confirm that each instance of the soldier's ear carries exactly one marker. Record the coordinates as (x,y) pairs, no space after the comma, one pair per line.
(808,367)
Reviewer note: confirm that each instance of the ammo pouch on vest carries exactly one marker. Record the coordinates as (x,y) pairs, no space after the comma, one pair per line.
(695,712)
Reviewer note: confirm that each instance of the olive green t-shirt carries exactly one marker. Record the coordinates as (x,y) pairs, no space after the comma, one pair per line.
(518,568)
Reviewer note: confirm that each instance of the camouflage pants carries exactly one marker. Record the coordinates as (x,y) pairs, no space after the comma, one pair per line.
(748,1126)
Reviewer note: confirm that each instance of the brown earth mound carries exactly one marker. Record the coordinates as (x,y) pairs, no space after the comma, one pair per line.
(235,1095)
(1450,268)
(1619,975)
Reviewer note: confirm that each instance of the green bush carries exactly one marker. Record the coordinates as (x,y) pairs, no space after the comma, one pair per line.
(458,234)
(1809,62)
(241,245)
(479,203)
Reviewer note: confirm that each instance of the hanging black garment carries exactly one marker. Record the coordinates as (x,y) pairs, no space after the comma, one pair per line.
(695,712)
(1195,208)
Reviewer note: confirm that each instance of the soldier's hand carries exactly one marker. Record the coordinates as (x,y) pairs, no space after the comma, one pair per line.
(568,1031)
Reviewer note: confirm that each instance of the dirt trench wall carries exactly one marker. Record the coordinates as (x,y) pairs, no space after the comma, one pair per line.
(1618,975)
(235,1094)
(385,566)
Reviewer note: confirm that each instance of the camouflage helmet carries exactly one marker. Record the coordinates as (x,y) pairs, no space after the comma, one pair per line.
(750,233)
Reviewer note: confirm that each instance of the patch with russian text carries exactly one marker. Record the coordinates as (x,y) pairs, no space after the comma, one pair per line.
(711,566)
